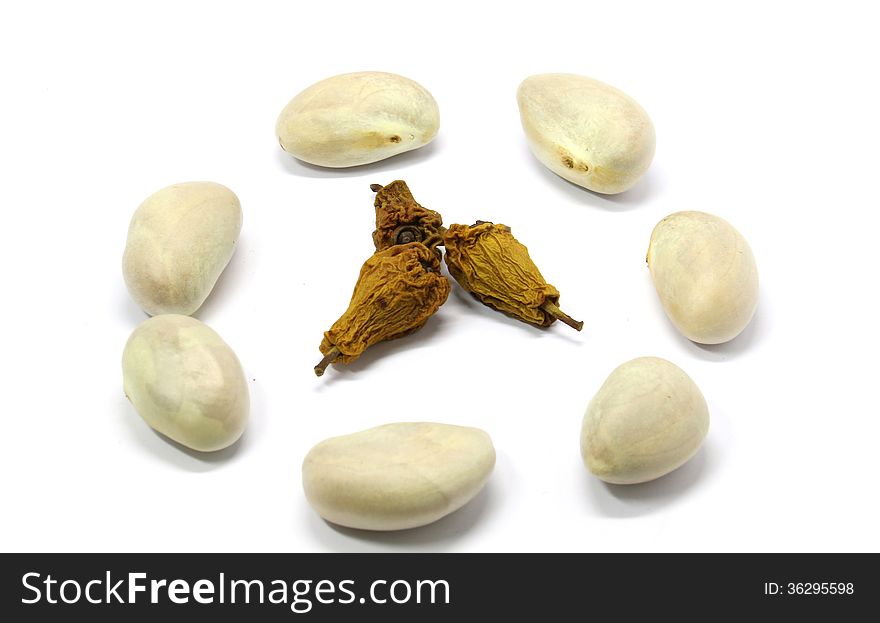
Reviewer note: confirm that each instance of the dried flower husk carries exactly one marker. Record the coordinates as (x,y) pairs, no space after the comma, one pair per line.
(495,267)
(398,289)
(400,219)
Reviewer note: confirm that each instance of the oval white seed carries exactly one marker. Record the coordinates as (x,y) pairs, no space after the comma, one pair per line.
(357,118)
(397,476)
(705,275)
(647,419)
(586,131)
(186,382)
(179,241)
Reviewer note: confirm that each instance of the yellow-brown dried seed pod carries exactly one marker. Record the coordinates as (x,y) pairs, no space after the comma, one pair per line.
(398,289)
(400,219)
(496,268)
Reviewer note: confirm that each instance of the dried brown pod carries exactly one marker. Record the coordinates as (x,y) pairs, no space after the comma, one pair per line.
(398,289)
(400,219)
(496,268)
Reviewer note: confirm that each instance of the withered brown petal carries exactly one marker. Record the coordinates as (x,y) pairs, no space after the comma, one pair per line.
(496,268)
(398,289)
(400,219)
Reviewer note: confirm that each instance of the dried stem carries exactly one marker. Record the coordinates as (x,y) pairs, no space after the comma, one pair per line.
(557,313)
(329,358)
(376,187)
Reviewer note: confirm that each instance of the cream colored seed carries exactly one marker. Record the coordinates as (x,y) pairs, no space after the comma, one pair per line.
(357,118)
(179,241)
(397,476)
(586,131)
(186,382)
(705,275)
(647,419)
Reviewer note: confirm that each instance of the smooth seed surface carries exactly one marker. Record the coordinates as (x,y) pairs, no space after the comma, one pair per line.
(357,118)
(397,476)
(185,382)
(586,131)
(179,241)
(647,419)
(705,275)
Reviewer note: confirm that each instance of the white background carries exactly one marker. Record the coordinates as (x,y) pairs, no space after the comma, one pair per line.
(766,114)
